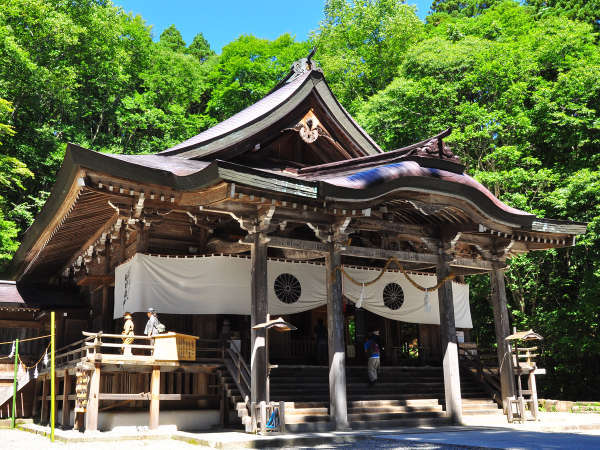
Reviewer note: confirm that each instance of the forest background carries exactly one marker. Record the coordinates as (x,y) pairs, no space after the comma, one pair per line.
(519,82)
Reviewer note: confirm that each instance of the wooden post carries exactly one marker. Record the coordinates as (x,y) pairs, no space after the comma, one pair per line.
(154,398)
(282,416)
(505,363)
(36,397)
(44,405)
(15,383)
(258,314)
(52,375)
(91,414)
(338,408)
(449,343)
(533,392)
(66,411)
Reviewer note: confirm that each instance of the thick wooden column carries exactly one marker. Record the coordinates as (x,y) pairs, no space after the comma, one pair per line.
(66,411)
(449,343)
(505,363)
(338,408)
(154,398)
(258,314)
(91,414)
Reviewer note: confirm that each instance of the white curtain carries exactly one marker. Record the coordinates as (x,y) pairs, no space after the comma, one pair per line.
(221,285)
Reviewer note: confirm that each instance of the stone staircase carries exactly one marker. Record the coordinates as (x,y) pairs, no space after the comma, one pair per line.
(403,397)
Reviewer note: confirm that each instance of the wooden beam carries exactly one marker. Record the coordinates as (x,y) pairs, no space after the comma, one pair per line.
(338,405)
(7,323)
(44,414)
(154,398)
(96,279)
(449,344)
(502,328)
(430,259)
(91,414)
(66,410)
(258,314)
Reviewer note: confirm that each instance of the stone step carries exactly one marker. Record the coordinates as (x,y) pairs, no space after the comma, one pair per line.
(477,412)
(400,423)
(396,409)
(307,397)
(411,402)
(302,411)
(377,416)
(377,394)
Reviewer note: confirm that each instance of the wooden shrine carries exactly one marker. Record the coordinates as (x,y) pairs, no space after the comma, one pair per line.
(292,177)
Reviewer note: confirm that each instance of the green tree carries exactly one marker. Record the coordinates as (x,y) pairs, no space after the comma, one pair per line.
(12,174)
(361,44)
(171,38)
(468,8)
(247,70)
(584,10)
(200,48)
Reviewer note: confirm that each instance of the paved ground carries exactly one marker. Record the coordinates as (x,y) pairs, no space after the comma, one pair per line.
(578,431)
(504,439)
(23,440)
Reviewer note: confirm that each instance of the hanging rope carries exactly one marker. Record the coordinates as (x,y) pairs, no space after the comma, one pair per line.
(404,272)
(37,362)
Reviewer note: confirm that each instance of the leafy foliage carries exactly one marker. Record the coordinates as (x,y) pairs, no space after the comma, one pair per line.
(518,82)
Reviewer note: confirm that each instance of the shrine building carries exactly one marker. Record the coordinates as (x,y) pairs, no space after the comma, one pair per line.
(288,208)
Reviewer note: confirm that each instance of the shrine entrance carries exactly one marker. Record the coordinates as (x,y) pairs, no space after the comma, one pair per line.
(401,340)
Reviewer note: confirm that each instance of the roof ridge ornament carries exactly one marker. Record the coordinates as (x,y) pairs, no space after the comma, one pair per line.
(436,147)
(303,65)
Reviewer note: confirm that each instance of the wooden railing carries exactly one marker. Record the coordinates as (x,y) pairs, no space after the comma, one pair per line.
(471,359)
(72,353)
(96,344)
(239,370)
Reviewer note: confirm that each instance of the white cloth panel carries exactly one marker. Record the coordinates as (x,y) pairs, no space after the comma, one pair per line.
(413,309)
(208,285)
(221,285)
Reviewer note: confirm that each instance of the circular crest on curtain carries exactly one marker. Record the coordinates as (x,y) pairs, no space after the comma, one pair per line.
(393,296)
(287,288)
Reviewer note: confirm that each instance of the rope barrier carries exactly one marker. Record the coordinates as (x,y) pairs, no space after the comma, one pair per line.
(37,362)
(25,340)
(404,272)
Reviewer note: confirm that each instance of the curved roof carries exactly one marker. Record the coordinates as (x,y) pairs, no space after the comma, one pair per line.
(219,140)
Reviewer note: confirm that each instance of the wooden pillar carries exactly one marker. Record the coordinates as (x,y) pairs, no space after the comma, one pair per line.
(258,314)
(66,411)
(36,397)
(44,414)
(91,414)
(502,325)
(338,408)
(154,398)
(449,343)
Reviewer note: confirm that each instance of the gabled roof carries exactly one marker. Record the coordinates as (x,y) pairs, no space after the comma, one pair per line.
(276,111)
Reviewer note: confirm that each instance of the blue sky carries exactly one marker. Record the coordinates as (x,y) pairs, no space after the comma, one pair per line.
(223,21)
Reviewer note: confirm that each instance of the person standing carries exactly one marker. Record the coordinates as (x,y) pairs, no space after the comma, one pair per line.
(373,351)
(127,331)
(152,324)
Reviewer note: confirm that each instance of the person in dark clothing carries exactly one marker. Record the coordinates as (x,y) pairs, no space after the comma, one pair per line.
(373,350)
(321,339)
